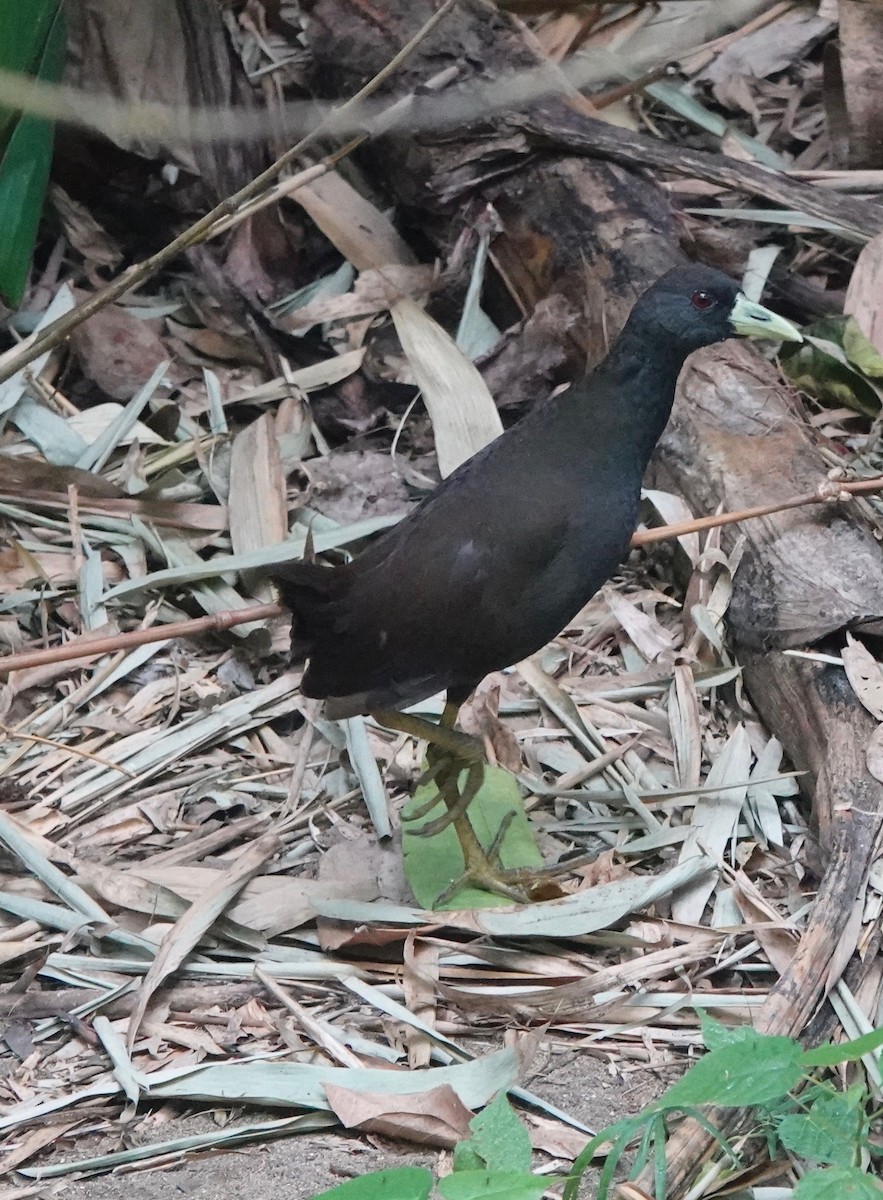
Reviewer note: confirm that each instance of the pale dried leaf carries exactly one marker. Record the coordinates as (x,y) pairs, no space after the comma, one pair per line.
(865,675)
(864,295)
(199,918)
(464,416)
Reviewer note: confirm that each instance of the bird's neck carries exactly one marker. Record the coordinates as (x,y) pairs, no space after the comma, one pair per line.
(637,404)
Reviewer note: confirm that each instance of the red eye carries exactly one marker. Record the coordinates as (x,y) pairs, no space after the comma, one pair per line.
(702,300)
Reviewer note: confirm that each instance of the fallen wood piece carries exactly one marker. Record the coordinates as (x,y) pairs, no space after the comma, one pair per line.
(861,52)
(821,722)
(193,999)
(563,212)
(734,439)
(563,126)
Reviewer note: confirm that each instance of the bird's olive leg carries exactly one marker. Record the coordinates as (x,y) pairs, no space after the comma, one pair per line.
(447,748)
(449,751)
(455,801)
(493,850)
(479,867)
(459,745)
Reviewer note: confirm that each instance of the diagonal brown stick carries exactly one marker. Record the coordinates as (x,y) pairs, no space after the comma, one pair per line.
(221,216)
(829,492)
(78,649)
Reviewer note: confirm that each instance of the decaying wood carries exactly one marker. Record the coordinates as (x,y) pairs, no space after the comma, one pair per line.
(824,727)
(734,439)
(562,126)
(561,215)
(861,65)
(196,998)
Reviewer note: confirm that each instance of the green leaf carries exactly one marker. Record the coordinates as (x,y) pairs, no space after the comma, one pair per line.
(716,1035)
(755,1070)
(500,1143)
(860,352)
(842,1183)
(432,864)
(23,32)
(466,1159)
(830,1055)
(24,173)
(821,366)
(829,1132)
(396,1183)
(492,1185)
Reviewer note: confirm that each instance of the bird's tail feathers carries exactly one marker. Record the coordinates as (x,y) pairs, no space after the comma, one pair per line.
(310,591)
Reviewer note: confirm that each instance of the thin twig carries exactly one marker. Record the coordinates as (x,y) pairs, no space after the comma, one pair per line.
(828,492)
(79,648)
(831,491)
(220,217)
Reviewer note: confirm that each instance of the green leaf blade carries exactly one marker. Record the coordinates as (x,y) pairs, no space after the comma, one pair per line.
(490,1185)
(837,1183)
(433,863)
(829,1132)
(500,1143)
(754,1070)
(395,1183)
(26,158)
(831,1055)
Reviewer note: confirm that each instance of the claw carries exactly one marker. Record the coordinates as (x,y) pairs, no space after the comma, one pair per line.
(448,753)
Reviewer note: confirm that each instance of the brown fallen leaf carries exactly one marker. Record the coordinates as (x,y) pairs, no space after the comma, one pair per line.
(33,475)
(420,981)
(481,717)
(778,939)
(19,567)
(434,1118)
(118,351)
(37,1140)
(558,1139)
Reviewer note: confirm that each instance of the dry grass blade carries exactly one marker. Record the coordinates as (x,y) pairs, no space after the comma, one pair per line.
(184,935)
(258,512)
(464,416)
(714,820)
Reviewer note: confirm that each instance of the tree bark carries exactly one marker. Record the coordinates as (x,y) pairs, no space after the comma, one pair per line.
(861,65)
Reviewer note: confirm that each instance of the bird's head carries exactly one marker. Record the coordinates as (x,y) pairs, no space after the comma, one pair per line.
(697,306)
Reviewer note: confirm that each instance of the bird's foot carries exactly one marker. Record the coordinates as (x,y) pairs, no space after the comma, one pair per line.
(483,870)
(522,885)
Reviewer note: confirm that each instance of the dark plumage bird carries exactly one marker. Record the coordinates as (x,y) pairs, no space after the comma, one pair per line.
(514,543)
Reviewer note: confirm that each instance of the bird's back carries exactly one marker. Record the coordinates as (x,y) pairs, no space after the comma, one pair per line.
(486,570)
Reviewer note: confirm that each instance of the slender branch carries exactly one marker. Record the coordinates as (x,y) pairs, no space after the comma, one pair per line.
(79,648)
(831,491)
(219,219)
